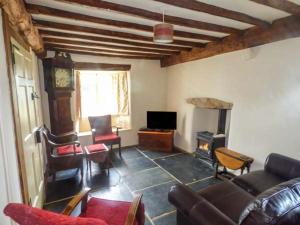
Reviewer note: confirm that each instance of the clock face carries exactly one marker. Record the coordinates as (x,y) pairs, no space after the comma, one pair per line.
(63,78)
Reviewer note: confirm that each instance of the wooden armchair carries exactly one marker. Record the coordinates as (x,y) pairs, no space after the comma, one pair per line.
(81,211)
(102,131)
(128,213)
(63,152)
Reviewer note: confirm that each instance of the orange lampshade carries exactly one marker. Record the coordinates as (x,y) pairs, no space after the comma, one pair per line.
(163,33)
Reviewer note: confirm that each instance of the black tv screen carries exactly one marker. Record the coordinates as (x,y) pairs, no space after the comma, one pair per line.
(161,120)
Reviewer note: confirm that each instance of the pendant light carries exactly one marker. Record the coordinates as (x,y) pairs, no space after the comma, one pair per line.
(163,32)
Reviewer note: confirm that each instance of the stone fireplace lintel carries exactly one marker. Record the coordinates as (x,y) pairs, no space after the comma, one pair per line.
(209,103)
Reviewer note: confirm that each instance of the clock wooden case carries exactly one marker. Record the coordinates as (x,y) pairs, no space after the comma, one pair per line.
(59,84)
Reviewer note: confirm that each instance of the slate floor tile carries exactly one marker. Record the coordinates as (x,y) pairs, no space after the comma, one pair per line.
(129,166)
(102,179)
(185,168)
(63,188)
(199,185)
(147,178)
(156,154)
(57,207)
(119,192)
(128,153)
(169,219)
(156,199)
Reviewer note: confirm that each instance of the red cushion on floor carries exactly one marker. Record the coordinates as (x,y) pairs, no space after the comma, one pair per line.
(107,137)
(26,215)
(113,212)
(68,149)
(96,148)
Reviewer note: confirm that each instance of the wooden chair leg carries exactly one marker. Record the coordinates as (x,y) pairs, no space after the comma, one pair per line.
(53,176)
(120,154)
(90,162)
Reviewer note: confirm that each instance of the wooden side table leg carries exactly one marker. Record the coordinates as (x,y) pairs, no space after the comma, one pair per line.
(248,168)
(216,170)
(242,170)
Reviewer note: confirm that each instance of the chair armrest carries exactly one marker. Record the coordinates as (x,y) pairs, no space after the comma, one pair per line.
(53,144)
(133,210)
(204,213)
(63,138)
(196,208)
(81,197)
(118,128)
(183,198)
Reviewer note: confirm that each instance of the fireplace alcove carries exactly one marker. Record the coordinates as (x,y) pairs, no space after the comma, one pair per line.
(208,141)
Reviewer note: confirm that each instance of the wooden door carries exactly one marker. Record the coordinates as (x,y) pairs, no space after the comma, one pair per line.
(29,120)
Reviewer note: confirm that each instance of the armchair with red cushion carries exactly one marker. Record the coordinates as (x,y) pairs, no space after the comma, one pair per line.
(63,152)
(102,131)
(81,211)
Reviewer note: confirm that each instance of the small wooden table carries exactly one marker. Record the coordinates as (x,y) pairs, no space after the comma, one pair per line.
(98,153)
(230,159)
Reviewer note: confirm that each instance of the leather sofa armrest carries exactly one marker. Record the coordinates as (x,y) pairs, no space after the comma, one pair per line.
(204,213)
(196,208)
(282,166)
(183,198)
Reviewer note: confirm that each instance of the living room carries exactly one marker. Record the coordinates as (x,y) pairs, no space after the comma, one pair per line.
(243,88)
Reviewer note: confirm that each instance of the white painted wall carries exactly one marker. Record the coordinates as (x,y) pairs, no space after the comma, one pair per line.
(9,176)
(264,85)
(148,92)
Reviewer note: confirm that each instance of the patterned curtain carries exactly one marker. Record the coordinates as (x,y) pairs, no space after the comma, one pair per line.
(101,93)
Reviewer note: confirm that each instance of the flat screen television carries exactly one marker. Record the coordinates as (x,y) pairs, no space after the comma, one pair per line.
(161,120)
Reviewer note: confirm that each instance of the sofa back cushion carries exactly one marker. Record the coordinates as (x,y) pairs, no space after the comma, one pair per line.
(282,166)
(276,206)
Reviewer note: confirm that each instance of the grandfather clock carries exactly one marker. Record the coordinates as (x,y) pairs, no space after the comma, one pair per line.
(59,84)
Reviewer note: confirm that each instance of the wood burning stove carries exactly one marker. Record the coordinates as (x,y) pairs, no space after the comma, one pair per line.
(207,142)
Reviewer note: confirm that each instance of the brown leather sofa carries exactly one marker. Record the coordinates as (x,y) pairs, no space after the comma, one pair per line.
(267,197)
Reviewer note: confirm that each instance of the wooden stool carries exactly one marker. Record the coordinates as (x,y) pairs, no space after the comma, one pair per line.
(231,160)
(98,153)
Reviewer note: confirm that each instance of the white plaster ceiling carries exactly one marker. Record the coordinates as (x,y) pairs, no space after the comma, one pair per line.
(245,6)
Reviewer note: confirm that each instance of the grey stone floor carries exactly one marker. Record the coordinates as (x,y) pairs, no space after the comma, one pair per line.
(147,172)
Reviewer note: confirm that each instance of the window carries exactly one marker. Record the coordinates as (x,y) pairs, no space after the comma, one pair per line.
(103,93)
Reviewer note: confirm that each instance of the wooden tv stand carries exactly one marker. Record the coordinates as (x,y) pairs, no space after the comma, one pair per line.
(156,140)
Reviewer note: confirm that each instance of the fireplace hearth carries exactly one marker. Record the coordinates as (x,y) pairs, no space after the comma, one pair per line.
(208,142)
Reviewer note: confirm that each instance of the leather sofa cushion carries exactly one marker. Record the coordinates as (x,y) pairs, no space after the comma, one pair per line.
(228,198)
(257,182)
(277,205)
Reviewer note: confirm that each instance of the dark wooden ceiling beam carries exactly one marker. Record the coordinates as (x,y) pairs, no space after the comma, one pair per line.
(94,44)
(103,50)
(142,13)
(281,29)
(111,33)
(111,40)
(37,9)
(100,54)
(216,11)
(101,66)
(282,5)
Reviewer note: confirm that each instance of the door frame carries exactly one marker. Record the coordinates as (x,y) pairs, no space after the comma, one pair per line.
(10,33)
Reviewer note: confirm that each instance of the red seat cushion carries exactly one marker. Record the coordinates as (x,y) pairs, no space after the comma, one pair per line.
(68,149)
(96,148)
(26,215)
(107,137)
(113,212)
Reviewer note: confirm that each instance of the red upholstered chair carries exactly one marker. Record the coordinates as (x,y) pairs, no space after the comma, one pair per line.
(94,211)
(102,131)
(63,152)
